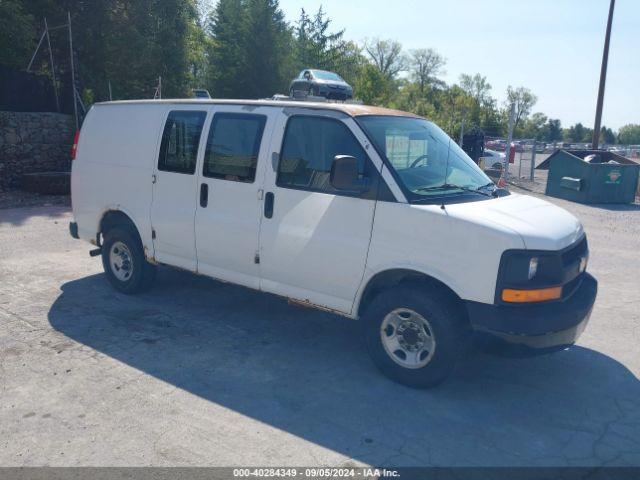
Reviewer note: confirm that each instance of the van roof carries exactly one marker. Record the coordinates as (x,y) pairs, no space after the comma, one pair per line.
(351,109)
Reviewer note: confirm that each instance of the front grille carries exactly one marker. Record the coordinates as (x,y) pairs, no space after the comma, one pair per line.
(571,273)
(575,253)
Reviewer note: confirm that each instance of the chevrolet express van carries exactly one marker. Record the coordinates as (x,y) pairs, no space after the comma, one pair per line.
(370,213)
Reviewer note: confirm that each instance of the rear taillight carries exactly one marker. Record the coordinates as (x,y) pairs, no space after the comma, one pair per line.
(74,147)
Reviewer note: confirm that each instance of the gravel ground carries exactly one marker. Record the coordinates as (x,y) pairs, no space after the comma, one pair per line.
(197,372)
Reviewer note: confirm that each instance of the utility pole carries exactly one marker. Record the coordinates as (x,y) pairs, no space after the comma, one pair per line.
(73,74)
(603,79)
(533,161)
(507,151)
(461,134)
(53,69)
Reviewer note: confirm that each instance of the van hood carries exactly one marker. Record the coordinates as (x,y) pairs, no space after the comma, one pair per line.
(540,224)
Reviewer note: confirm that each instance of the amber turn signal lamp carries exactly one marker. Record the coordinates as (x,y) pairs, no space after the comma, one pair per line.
(537,295)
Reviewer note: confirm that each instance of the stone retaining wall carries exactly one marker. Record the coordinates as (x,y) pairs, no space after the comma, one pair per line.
(33,142)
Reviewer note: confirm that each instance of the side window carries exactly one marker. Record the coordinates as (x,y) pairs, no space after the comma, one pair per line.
(180,139)
(233,146)
(309,147)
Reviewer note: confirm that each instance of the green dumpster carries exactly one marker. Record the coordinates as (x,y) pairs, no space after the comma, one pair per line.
(591,176)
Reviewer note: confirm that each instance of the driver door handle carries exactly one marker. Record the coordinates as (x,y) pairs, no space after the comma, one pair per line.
(268,204)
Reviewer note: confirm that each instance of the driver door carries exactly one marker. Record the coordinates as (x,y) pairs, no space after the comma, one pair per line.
(314,239)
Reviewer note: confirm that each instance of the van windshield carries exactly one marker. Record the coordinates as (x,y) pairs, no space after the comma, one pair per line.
(427,162)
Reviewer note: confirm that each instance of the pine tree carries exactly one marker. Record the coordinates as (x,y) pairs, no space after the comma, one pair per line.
(227,52)
(267,43)
(316,47)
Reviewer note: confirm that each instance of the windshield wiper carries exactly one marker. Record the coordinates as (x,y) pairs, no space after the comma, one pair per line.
(449,186)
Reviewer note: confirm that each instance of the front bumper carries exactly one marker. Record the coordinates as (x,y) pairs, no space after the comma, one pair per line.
(542,325)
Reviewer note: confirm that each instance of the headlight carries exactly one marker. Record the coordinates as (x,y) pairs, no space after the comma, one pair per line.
(527,276)
(540,275)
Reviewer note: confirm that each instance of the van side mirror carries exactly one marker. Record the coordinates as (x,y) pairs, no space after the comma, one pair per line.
(344,174)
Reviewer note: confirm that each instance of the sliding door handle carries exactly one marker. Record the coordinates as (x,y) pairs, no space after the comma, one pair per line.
(268,205)
(204,195)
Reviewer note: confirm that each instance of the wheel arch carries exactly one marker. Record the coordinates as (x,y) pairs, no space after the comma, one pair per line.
(112,217)
(389,278)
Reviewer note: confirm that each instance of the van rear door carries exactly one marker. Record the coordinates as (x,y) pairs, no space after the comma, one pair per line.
(229,187)
(175,186)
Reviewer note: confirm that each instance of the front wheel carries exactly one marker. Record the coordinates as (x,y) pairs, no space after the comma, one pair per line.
(124,262)
(415,334)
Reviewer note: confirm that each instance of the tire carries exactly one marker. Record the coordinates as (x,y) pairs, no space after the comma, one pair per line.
(123,247)
(313,91)
(434,331)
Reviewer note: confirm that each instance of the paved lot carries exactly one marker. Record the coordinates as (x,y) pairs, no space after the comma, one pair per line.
(201,373)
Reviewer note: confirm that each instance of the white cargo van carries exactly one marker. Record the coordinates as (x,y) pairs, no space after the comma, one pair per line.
(367,212)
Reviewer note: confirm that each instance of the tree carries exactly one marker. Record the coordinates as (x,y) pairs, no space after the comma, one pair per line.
(316,47)
(629,134)
(454,106)
(607,136)
(426,64)
(534,127)
(227,53)
(372,86)
(127,43)
(554,130)
(268,46)
(351,61)
(17,34)
(250,49)
(198,44)
(173,23)
(576,133)
(476,86)
(523,99)
(386,55)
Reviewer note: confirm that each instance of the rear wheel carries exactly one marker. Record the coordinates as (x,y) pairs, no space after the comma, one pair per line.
(124,262)
(415,334)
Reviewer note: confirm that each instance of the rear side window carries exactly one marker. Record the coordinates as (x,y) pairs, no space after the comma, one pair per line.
(180,139)
(233,146)
(309,147)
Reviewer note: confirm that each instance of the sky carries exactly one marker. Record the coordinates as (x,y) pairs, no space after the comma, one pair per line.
(553,47)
